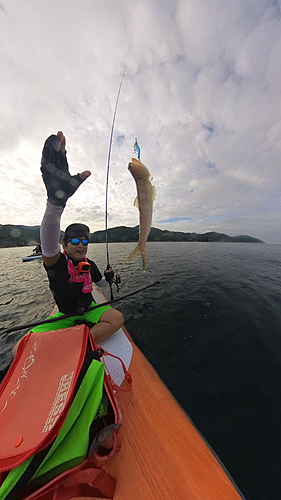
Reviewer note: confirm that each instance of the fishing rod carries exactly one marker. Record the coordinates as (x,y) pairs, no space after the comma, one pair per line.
(107,175)
(53,320)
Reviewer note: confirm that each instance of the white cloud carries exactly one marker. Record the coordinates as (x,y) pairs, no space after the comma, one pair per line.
(201,93)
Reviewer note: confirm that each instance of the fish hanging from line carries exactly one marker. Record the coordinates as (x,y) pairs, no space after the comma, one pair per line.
(144,202)
(137,149)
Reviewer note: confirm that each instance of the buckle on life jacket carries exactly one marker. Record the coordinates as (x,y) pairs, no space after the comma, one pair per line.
(80,309)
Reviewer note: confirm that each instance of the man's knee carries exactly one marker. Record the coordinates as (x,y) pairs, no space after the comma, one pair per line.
(114,317)
(118,319)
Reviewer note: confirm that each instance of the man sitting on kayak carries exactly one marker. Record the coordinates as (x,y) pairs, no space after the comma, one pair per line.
(70,273)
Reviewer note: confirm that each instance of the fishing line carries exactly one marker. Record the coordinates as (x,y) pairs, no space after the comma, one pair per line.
(52,320)
(107,175)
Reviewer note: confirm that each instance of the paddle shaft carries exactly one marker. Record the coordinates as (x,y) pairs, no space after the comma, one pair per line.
(52,320)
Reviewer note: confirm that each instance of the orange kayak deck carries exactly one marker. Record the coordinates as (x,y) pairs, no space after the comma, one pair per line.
(163,457)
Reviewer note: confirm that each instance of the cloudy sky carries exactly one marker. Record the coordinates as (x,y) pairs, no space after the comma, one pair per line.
(201,93)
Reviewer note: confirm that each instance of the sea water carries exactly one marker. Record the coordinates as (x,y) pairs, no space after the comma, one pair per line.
(211,329)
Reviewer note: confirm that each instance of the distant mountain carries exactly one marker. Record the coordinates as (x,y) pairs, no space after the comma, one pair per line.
(20,236)
(123,233)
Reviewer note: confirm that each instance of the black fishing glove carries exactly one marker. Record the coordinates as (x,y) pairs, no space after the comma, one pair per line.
(109,276)
(59,183)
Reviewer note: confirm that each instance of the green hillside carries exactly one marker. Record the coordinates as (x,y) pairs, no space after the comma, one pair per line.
(20,236)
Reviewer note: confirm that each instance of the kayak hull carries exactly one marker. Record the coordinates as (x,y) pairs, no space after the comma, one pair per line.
(163,456)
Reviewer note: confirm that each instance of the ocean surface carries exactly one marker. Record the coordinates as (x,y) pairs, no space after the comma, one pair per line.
(212,330)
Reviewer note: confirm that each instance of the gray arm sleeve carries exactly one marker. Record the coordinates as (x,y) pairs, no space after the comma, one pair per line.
(102,282)
(50,230)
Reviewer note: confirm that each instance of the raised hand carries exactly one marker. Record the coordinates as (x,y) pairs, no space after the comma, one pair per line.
(60,185)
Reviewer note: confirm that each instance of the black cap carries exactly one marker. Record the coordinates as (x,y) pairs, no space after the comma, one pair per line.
(76,231)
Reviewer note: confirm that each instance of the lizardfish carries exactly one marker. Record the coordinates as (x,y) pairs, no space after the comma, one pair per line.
(144,202)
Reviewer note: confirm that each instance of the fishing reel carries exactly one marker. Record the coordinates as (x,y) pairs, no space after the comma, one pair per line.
(117,280)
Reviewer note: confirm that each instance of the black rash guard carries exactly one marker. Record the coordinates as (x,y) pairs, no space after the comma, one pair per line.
(67,294)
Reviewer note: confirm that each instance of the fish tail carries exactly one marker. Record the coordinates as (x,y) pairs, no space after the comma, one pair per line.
(135,252)
(143,254)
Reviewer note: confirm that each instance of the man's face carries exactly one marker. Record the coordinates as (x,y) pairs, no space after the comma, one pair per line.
(76,252)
